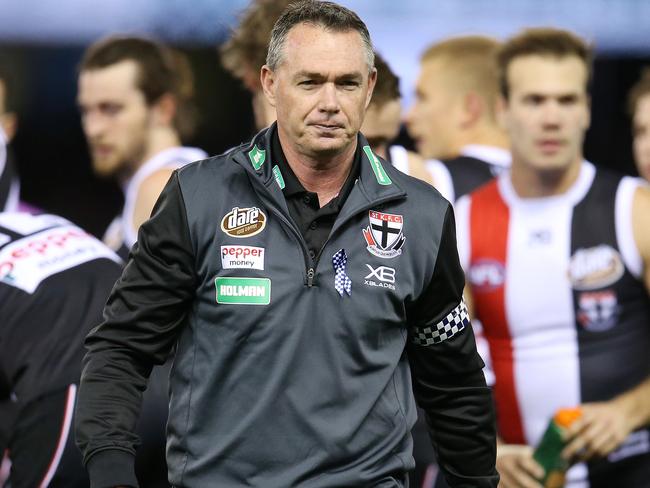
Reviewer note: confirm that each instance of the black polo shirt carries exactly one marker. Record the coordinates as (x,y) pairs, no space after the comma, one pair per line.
(315,222)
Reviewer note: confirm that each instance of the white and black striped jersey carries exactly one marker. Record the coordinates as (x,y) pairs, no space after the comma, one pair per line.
(54,281)
(476,165)
(557,285)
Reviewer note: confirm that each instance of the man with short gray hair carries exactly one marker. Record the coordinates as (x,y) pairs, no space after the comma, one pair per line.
(307,287)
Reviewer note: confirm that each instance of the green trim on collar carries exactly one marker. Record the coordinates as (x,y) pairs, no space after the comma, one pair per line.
(278,177)
(257,157)
(380,173)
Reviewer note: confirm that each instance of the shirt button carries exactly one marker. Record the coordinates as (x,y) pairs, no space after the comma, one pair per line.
(312,253)
(306,199)
(313,225)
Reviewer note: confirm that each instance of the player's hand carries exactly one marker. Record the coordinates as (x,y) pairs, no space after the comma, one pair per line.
(601,429)
(517,467)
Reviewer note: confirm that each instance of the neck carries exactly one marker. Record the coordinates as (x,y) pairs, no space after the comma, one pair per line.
(532,183)
(158,140)
(486,135)
(323,175)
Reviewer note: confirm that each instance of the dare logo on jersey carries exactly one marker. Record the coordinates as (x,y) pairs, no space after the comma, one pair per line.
(486,275)
(595,267)
(243,222)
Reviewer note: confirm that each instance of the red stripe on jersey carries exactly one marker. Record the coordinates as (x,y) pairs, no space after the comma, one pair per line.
(489,221)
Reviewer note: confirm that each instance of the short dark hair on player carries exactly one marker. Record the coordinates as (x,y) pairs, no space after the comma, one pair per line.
(161,70)
(542,41)
(387,85)
(640,89)
(244,53)
(328,15)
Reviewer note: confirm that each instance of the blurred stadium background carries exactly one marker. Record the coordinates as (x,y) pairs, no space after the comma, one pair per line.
(41,41)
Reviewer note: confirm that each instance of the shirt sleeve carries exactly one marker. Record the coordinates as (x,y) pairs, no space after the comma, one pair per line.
(142,320)
(447,375)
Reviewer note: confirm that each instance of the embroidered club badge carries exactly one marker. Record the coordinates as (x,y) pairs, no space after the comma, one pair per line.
(384,235)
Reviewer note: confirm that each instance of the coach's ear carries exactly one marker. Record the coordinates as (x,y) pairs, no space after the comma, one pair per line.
(269,83)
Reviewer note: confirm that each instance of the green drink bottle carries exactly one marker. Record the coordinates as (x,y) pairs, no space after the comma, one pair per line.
(549,450)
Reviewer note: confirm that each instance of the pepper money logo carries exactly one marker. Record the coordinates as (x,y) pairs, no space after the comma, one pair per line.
(243,222)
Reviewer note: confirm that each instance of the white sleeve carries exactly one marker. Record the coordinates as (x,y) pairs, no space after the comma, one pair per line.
(441,179)
(624,230)
(462,230)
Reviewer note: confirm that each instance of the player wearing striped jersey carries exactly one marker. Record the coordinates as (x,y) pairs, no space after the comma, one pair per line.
(134,96)
(453,119)
(557,256)
(54,281)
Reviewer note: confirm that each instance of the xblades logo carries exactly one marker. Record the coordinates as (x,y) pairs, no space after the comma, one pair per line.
(384,276)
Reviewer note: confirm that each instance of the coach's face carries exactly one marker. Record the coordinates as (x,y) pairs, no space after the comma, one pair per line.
(320,90)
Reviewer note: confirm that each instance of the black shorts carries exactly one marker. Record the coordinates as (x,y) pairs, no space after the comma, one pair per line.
(41,444)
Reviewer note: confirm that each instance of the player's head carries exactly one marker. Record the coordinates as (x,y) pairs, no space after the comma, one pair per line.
(244,54)
(383,116)
(130,91)
(456,95)
(8,119)
(319,75)
(639,105)
(544,74)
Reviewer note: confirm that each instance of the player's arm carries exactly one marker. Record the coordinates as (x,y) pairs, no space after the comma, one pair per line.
(641,229)
(143,317)
(447,373)
(148,194)
(605,425)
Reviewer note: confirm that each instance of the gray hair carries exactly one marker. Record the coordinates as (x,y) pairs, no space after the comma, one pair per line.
(328,15)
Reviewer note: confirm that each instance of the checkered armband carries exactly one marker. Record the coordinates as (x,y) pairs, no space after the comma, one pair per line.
(448,327)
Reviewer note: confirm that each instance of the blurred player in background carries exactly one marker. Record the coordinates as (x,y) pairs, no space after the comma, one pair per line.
(563,302)
(382,123)
(54,281)
(9,184)
(454,119)
(135,101)
(639,105)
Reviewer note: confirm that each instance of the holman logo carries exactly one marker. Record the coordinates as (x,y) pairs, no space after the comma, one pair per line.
(243,291)
(257,157)
(243,222)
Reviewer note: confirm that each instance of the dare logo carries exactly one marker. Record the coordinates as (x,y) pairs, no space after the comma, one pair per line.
(243,222)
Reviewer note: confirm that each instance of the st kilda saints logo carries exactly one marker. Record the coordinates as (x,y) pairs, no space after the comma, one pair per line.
(384,234)
(243,222)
